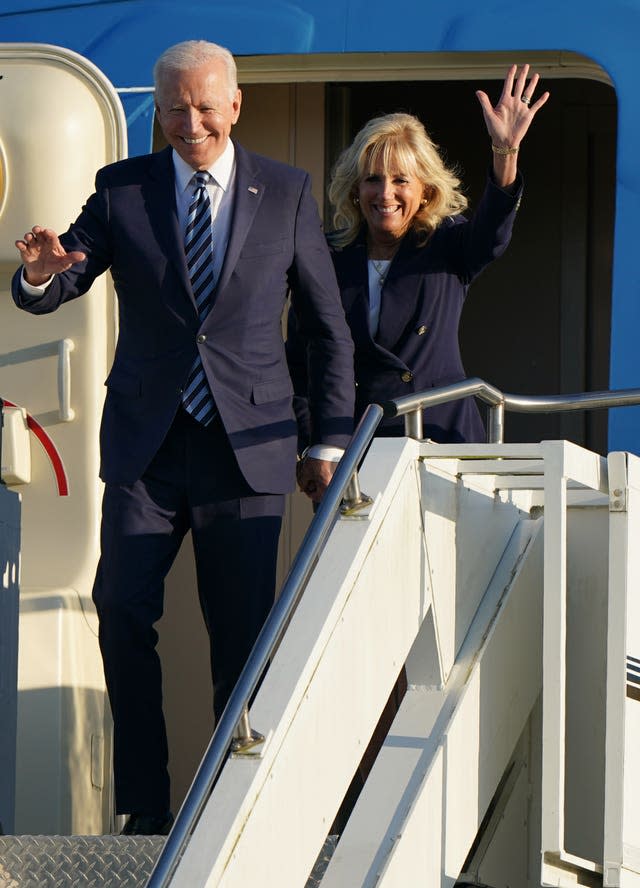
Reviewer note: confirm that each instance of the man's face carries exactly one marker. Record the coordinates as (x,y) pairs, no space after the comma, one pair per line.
(196,112)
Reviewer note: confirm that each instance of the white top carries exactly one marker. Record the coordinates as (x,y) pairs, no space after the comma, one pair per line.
(378,269)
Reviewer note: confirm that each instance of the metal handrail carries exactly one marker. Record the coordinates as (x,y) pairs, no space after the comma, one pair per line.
(342,494)
(411,406)
(60,348)
(263,649)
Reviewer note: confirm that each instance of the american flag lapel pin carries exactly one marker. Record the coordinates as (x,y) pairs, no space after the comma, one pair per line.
(253,189)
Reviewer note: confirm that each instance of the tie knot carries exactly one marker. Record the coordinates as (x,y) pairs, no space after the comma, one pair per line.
(201,179)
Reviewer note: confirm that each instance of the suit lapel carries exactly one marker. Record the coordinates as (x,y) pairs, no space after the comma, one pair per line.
(160,203)
(159,194)
(249,190)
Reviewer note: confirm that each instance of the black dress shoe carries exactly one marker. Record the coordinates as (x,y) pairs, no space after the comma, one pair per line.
(148,825)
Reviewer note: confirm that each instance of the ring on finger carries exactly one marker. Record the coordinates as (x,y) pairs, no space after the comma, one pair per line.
(525,99)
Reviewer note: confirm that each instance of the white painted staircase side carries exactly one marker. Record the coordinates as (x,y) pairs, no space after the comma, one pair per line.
(445,570)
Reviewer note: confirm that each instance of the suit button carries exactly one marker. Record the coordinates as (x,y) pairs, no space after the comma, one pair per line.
(407,376)
(201,338)
(421,330)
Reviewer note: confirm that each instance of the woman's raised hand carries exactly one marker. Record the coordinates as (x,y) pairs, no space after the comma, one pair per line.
(508,122)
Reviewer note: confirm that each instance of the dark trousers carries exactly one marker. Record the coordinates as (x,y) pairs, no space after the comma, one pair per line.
(192,483)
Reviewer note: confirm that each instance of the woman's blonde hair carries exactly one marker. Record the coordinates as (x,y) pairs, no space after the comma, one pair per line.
(398,143)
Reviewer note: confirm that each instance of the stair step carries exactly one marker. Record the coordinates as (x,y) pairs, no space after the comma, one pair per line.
(82,861)
(95,861)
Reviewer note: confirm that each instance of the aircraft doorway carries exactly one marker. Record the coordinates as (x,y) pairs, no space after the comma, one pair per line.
(536,322)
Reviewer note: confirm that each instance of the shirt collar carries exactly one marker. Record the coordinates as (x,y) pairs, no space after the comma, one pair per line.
(221,169)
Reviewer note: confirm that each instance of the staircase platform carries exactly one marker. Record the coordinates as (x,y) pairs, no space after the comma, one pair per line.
(95,861)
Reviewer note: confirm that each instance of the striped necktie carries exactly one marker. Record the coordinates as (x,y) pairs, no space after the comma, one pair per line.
(196,397)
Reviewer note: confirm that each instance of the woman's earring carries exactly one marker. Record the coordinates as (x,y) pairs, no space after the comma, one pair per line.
(356,201)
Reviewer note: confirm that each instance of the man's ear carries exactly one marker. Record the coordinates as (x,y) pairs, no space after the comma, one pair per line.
(236,104)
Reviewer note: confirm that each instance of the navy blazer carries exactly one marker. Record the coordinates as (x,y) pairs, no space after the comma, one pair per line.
(130,226)
(416,345)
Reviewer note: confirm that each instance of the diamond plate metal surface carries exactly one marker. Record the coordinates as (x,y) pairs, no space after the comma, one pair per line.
(96,861)
(70,861)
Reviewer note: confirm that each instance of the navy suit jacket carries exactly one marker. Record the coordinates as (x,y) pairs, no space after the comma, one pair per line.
(416,346)
(130,226)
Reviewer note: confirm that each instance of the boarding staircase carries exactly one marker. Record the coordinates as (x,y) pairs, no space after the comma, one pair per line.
(504,576)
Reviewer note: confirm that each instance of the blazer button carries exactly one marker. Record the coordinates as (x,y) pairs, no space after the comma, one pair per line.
(407,376)
(201,338)
(421,330)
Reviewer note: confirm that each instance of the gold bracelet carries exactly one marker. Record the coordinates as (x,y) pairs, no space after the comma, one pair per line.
(503,151)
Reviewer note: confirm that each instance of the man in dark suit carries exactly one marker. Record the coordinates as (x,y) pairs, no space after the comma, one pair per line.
(198,431)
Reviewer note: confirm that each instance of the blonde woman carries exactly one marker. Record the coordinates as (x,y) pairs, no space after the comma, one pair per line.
(405,255)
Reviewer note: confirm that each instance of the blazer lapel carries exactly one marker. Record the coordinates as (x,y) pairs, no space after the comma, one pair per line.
(399,297)
(398,302)
(351,270)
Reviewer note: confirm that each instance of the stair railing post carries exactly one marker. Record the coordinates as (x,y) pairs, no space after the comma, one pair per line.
(496,423)
(413,424)
(354,499)
(245,737)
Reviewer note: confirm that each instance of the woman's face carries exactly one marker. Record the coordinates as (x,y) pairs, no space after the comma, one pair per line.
(389,200)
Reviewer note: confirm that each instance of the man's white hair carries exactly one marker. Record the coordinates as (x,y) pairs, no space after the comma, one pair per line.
(192,54)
